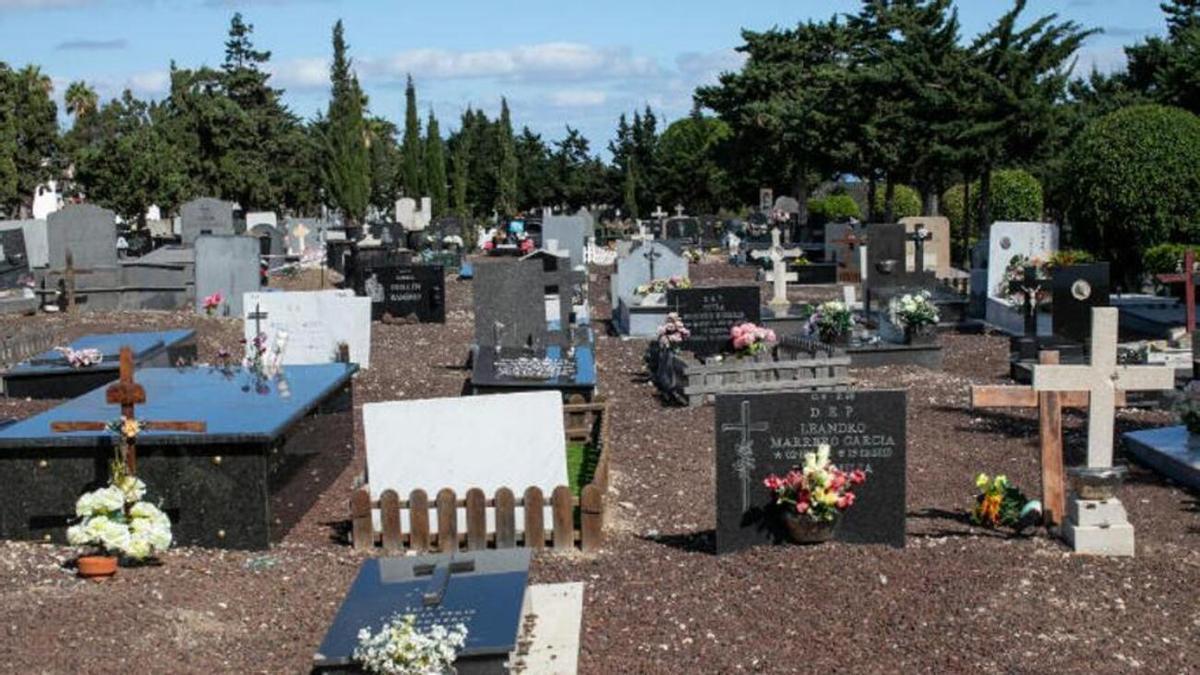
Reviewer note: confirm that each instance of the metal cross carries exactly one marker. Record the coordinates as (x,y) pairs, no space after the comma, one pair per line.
(652,254)
(1102,378)
(257,315)
(744,463)
(127,393)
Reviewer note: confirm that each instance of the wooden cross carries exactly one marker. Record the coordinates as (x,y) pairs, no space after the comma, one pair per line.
(1102,378)
(1188,277)
(779,275)
(1050,405)
(127,393)
(69,283)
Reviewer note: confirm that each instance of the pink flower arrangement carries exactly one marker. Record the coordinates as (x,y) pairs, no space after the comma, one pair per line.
(213,302)
(818,489)
(80,358)
(672,333)
(749,339)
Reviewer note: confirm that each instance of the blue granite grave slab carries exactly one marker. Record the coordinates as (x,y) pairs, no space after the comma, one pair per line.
(1167,451)
(483,590)
(48,375)
(271,447)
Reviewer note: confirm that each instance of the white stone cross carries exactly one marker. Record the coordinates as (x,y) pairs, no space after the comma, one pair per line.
(679,210)
(779,274)
(1102,378)
(659,214)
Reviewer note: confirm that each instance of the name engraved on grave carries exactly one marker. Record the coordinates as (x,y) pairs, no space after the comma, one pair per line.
(710,313)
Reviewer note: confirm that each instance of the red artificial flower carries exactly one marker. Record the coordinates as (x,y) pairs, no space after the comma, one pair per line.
(802,506)
(773,482)
(858,477)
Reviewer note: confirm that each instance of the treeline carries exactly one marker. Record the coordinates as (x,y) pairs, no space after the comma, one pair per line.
(893,94)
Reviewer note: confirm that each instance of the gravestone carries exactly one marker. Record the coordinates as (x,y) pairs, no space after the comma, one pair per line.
(843,243)
(645,262)
(228,265)
(14,262)
(410,217)
(887,272)
(510,306)
(255,218)
(305,236)
(87,231)
(485,591)
(317,323)
(710,313)
(763,434)
(683,228)
(487,442)
(937,248)
(571,233)
(1077,289)
(34,234)
(1006,241)
(271,243)
(206,215)
(402,291)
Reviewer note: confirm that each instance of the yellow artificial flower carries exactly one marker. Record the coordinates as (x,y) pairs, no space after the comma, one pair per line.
(130,427)
(981,481)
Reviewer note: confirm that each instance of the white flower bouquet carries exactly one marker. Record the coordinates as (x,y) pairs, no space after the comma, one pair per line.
(117,521)
(400,648)
(913,311)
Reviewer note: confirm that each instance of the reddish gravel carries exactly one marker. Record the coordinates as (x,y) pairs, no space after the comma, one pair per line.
(658,600)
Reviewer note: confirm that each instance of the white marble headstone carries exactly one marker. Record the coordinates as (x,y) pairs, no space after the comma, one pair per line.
(487,442)
(316,323)
(1008,239)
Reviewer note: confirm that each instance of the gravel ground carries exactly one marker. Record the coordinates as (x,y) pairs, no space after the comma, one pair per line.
(957,598)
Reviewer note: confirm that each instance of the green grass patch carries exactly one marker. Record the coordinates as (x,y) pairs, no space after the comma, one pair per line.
(582,459)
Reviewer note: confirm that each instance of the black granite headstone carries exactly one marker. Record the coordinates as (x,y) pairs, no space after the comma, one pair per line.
(887,264)
(709,313)
(1078,289)
(14,263)
(510,305)
(763,434)
(402,291)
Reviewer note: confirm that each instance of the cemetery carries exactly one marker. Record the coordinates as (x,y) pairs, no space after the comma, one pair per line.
(832,359)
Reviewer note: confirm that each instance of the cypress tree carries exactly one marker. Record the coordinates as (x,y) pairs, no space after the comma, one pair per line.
(435,165)
(348,176)
(410,150)
(506,175)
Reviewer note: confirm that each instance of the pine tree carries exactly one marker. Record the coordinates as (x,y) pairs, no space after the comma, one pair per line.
(435,166)
(410,149)
(462,174)
(506,175)
(629,190)
(348,175)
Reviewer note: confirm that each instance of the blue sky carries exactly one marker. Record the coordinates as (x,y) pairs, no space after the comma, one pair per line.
(558,61)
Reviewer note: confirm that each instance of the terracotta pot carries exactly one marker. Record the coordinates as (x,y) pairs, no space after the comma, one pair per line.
(96,567)
(804,530)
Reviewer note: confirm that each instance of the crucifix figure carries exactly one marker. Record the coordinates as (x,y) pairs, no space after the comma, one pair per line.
(127,393)
(744,464)
(779,275)
(652,254)
(1188,277)
(918,237)
(1102,378)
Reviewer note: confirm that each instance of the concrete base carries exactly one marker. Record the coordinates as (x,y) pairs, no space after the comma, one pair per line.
(549,641)
(1098,527)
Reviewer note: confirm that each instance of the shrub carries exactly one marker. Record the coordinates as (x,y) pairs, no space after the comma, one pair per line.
(1167,258)
(1135,177)
(834,208)
(906,202)
(1016,196)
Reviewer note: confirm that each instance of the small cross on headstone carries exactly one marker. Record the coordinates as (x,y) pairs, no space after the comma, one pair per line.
(744,465)
(918,237)
(651,255)
(258,315)
(679,210)
(658,214)
(128,394)
(440,575)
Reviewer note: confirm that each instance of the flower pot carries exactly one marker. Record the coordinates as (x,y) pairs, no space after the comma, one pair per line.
(920,335)
(804,530)
(96,567)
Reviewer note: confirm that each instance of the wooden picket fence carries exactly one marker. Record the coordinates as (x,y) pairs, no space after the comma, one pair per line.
(586,422)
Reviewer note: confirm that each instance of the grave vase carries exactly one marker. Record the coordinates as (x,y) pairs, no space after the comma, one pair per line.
(920,335)
(804,530)
(96,567)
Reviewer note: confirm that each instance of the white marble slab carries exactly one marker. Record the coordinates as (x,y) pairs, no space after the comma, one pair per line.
(316,323)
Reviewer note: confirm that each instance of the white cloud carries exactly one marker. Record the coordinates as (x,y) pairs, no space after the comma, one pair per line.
(149,83)
(578,98)
(307,73)
(543,62)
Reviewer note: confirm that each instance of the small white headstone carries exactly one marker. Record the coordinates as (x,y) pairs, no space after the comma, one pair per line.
(316,322)
(487,442)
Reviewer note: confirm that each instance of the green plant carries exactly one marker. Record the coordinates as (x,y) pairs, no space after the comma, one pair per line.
(835,208)
(1015,196)
(1069,257)
(1167,258)
(1001,503)
(1135,177)
(906,202)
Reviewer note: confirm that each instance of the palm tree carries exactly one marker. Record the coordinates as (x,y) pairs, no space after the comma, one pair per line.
(81,99)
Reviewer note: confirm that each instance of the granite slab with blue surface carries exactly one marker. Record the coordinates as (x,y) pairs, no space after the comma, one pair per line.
(49,375)
(1168,451)
(238,485)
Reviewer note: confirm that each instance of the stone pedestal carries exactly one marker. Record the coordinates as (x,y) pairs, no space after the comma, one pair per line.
(1098,527)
